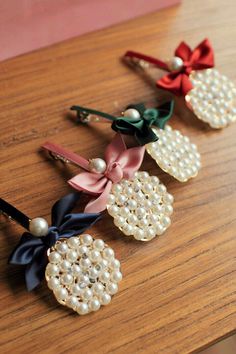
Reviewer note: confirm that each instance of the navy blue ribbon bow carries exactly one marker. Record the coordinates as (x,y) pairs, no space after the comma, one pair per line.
(31,251)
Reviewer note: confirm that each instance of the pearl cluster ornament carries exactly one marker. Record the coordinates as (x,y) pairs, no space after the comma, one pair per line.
(141,206)
(175,154)
(213,98)
(83,273)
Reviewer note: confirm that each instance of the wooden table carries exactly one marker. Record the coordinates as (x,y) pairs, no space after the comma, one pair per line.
(178,293)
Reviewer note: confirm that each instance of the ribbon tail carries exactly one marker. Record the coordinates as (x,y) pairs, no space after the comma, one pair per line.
(34,272)
(148,137)
(75,224)
(25,250)
(99,204)
(171,82)
(115,148)
(92,183)
(203,56)
(131,160)
(63,206)
(183,51)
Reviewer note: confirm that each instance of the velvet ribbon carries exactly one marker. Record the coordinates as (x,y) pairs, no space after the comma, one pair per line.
(178,82)
(31,251)
(120,163)
(140,128)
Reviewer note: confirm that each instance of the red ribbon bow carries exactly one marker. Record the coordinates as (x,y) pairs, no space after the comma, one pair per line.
(202,57)
(121,163)
(178,82)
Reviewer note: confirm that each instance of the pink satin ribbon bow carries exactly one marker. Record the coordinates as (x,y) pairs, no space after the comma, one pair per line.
(178,82)
(121,163)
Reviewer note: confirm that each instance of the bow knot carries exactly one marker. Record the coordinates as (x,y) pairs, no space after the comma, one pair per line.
(121,162)
(141,128)
(31,251)
(114,172)
(202,57)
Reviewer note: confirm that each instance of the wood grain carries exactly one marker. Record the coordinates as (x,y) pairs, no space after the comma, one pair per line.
(179,291)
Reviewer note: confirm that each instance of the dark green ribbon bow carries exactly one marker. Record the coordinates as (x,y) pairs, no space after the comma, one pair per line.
(140,128)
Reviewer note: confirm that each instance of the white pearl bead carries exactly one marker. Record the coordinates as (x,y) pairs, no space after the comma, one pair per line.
(38,227)
(116,188)
(104,277)
(76,270)
(105,299)
(61,294)
(72,302)
(165,221)
(73,242)
(94,305)
(86,239)
(132,204)
(53,283)
(82,250)
(150,233)
(127,229)
(98,288)
(115,264)
(93,273)
(139,234)
(175,63)
(72,256)
(124,211)
(132,219)
(82,308)
(54,257)
(103,263)
(97,165)
(87,294)
(85,263)
(112,288)
(52,269)
(66,279)
(121,199)
(119,221)
(140,212)
(76,290)
(98,244)
(116,276)
(159,229)
(95,256)
(62,247)
(111,199)
(132,113)
(113,210)
(65,265)
(108,253)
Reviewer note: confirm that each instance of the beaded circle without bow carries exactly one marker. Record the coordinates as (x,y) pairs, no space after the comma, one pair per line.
(172,151)
(138,202)
(191,73)
(82,272)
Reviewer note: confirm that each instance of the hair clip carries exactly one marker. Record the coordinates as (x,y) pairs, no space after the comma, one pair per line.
(138,202)
(173,152)
(81,271)
(209,94)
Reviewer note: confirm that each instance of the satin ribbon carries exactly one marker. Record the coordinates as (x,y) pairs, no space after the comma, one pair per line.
(140,128)
(31,251)
(121,163)
(178,82)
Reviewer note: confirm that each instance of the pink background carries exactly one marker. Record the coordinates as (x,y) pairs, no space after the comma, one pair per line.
(26,25)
